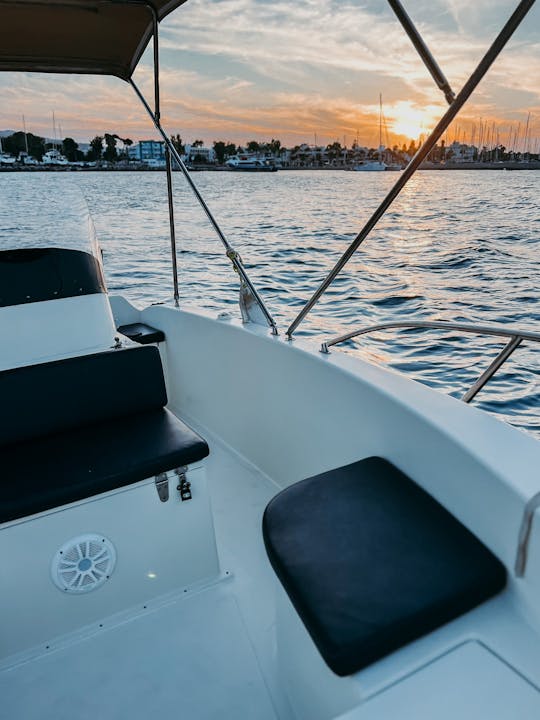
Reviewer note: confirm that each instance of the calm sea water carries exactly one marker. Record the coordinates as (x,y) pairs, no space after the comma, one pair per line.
(456,246)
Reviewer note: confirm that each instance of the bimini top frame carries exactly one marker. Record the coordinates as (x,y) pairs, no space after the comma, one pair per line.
(108,37)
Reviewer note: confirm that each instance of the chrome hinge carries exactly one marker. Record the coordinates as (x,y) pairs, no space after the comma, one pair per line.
(162,486)
(184,486)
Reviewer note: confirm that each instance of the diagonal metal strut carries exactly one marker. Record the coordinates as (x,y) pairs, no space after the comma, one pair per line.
(498,44)
(233,256)
(252,306)
(423,50)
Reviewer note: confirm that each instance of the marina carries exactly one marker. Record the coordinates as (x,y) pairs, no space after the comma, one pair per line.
(223,495)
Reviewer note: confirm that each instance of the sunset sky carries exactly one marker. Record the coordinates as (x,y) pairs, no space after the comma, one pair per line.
(298,71)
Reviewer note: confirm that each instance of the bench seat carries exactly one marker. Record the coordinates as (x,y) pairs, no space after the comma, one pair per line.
(52,471)
(75,428)
(371,562)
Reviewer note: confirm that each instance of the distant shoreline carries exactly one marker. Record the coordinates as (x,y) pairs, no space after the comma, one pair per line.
(533,165)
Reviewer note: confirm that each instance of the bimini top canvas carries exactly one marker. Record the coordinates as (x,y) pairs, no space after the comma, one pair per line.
(100,37)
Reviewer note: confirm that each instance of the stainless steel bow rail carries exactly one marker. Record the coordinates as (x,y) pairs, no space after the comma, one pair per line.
(252,306)
(455,106)
(515,335)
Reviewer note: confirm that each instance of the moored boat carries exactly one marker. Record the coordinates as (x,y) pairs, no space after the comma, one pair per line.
(6,159)
(371,166)
(375,165)
(250,163)
(54,157)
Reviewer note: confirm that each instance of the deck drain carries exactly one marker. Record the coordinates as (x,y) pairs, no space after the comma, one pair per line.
(83,563)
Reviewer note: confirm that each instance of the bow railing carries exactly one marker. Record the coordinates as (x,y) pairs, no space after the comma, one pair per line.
(515,337)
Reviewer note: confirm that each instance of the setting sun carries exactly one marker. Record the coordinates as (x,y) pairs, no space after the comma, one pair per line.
(404,119)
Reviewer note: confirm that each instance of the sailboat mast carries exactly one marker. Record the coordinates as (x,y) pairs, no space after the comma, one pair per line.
(380,121)
(526,145)
(25,135)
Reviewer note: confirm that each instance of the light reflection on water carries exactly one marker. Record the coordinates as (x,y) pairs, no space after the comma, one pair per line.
(457,246)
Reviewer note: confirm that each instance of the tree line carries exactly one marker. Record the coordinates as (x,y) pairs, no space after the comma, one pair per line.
(112,148)
(102,147)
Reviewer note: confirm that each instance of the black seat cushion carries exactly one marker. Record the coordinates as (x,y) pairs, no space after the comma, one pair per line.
(54,470)
(371,562)
(74,428)
(55,396)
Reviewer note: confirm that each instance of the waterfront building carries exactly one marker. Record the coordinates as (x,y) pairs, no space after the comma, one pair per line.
(146,150)
(200,153)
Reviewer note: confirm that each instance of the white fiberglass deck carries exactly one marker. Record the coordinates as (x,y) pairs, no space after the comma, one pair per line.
(189,659)
(210,652)
(191,656)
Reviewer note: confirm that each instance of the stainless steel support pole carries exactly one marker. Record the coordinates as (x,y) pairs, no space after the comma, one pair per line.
(155,46)
(171,225)
(501,358)
(155,24)
(484,65)
(233,256)
(423,50)
(181,165)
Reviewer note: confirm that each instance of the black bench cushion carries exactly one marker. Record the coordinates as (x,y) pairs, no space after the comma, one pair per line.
(56,396)
(74,428)
(371,562)
(52,471)
(142,333)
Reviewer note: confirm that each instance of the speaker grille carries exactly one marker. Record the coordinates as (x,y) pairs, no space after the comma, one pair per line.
(83,563)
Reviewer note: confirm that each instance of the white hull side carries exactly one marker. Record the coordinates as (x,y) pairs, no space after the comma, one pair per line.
(295,412)
(160,547)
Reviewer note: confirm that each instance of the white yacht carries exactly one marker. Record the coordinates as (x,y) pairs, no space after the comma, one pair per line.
(54,157)
(249,163)
(6,158)
(27,159)
(204,517)
(371,166)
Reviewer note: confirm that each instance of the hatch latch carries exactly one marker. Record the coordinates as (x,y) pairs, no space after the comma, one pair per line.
(162,486)
(184,486)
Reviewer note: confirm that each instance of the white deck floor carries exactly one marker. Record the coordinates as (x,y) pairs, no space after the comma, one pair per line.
(209,653)
(198,656)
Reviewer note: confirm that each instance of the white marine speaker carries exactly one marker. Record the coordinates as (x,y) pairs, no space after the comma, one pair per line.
(83,563)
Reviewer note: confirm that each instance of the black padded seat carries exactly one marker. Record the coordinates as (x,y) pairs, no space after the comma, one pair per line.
(372,562)
(75,428)
(60,469)
(142,333)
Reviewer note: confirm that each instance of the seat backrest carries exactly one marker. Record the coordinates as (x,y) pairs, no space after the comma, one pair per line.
(52,397)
